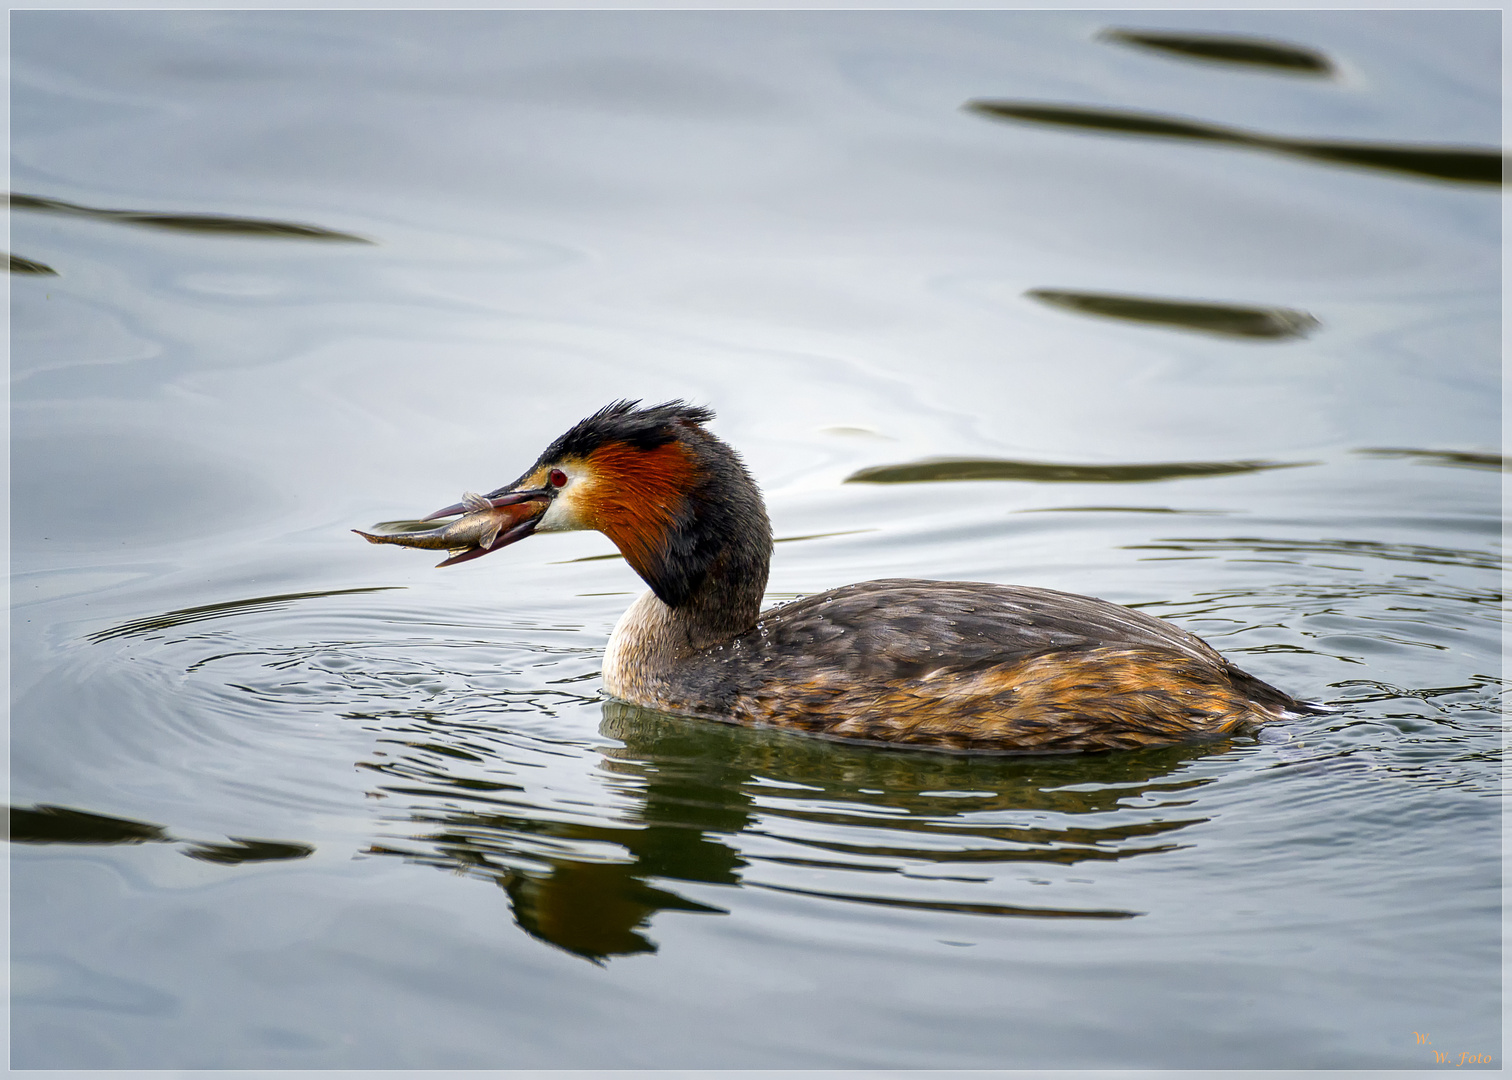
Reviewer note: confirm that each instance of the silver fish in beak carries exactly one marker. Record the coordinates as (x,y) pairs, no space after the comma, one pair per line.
(486,524)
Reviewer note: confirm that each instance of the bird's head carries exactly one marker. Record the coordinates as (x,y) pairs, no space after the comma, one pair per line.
(674,499)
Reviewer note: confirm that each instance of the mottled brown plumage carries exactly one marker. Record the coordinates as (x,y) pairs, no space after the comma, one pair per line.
(967,666)
(960,666)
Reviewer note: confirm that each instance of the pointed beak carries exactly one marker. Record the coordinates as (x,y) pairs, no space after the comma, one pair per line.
(521,511)
(486,523)
(541,497)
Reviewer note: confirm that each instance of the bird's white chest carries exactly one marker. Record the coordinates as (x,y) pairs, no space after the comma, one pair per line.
(643,641)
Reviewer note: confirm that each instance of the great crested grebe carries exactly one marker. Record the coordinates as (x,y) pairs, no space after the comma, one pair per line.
(948,665)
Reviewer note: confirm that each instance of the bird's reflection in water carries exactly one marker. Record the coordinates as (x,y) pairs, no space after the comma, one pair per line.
(870,825)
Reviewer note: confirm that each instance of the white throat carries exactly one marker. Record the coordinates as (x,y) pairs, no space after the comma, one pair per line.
(645,641)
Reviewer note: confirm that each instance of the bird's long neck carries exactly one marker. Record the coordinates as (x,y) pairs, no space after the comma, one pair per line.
(728,601)
(707,573)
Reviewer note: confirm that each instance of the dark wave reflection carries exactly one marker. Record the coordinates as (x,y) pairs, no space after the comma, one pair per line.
(220,610)
(1114,510)
(1459,459)
(704,804)
(1044,472)
(242,850)
(1299,550)
(44,824)
(1459,164)
(961,908)
(1225,320)
(214,224)
(21,265)
(1249,52)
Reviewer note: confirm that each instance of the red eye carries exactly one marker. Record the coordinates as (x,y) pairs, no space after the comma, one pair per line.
(556,478)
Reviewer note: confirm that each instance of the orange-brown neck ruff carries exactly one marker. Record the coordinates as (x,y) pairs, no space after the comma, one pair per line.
(640,501)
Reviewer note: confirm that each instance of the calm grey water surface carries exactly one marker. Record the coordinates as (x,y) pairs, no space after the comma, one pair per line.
(288,800)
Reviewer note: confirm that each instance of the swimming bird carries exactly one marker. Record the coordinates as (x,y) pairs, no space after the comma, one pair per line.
(946,665)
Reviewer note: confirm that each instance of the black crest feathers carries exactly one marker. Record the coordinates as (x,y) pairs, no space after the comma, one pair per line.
(625,422)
